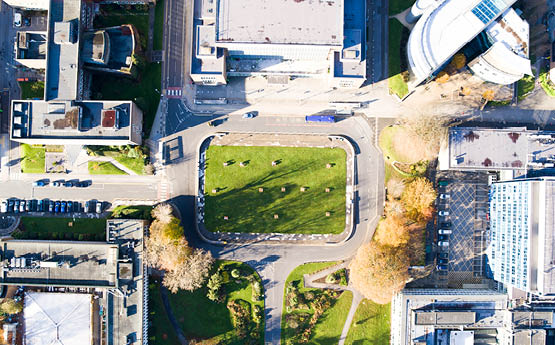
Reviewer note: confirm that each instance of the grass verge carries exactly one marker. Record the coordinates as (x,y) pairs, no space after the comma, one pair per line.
(212,321)
(32,89)
(238,195)
(158,25)
(32,159)
(298,309)
(132,212)
(160,331)
(54,228)
(398,6)
(371,324)
(132,158)
(104,168)
(547,85)
(396,81)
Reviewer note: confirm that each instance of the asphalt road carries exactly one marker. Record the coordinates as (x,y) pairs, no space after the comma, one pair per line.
(174,43)
(275,262)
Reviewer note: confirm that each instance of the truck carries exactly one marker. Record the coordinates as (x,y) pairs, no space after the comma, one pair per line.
(320,118)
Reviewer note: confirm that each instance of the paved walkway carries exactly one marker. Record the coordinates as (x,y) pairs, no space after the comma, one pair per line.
(151,18)
(309,281)
(178,331)
(250,139)
(81,165)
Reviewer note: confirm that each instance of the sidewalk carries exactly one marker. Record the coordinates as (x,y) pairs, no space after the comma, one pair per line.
(81,165)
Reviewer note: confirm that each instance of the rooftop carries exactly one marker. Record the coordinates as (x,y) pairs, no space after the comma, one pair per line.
(66,119)
(62,263)
(317,22)
(62,81)
(31,45)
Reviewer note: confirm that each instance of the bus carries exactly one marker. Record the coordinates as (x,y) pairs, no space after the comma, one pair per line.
(320,118)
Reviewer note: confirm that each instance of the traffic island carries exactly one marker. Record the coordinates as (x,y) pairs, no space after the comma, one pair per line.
(261,187)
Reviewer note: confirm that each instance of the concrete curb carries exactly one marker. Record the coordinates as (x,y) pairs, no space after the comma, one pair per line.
(273,238)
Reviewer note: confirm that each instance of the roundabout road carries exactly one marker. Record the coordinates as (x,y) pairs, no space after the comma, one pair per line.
(275,262)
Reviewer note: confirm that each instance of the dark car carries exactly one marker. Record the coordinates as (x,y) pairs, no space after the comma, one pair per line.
(51,206)
(87,206)
(40,206)
(443,255)
(82,184)
(39,183)
(446,224)
(442,267)
(70,206)
(58,183)
(10,205)
(443,238)
(57,207)
(63,208)
(76,206)
(443,261)
(68,184)
(27,21)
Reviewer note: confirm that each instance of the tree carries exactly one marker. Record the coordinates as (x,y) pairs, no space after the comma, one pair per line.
(431,129)
(379,272)
(9,306)
(417,198)
(192,274)
(392,231)
(459,60)
(163,213)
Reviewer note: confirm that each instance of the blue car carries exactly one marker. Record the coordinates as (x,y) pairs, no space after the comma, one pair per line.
(70,206)
(40,206)
(64,207)
(57,207)
(38,184)
(51,206)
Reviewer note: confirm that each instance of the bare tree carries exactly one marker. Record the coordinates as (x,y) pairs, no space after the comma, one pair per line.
(431,129)
(418,198)
(191,274)
(395,188)
(163,213)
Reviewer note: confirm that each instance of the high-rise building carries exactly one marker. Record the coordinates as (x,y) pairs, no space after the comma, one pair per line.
(521,251)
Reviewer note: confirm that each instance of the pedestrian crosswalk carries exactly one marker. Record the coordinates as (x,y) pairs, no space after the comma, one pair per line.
(174,92)
(164,192)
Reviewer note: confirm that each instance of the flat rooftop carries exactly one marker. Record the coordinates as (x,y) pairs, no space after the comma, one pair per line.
(63,263)
(280,22)
(62,68)
(510,148)
(67,119)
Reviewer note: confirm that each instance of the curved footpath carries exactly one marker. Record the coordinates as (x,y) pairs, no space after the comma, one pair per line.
(274,262)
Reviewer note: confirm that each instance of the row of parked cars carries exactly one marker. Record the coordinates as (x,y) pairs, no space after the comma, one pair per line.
(62,183)
(443,236)
(52,206)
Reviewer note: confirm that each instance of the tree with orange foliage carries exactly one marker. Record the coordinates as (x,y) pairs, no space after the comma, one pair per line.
(379,272)
(459,60)
(442,77)
(392,231)
(418,198)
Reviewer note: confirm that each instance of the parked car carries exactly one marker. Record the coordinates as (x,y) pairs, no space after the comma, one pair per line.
(443,213)
(27,21)
(76,206)
(446,224)
(10,205)
(444,231)
(17,19)
(28,206)
(51,206)
(16,206)
(442,267)
(443,183)
(58,183)
(22,206)
(88,207)
(63,207)
(443,255)
(39,183)
(70,206)
(99,207)
(4,206)
(443,261)
(249,115)
(443,243)
(40,206)
(443,237)
(82,184)
(445,196)
(68,184)
(57,207)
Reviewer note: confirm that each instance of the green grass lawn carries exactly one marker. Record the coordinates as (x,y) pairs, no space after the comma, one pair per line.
(32,89)
(547,85)
(115,18)
(104,168)
(132,212)
(136,164)
(53,228)
(396,83)
(32,158)
(329,326)
(371,324)
(397,6)
(249,210)
(386,143)
(212,321)
(160,331)
(158,25)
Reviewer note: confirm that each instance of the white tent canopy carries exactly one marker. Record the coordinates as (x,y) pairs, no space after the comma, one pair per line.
(57,318)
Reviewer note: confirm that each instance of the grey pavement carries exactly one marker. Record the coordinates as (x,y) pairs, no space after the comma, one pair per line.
(274,262)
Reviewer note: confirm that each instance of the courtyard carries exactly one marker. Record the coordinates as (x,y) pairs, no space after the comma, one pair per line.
(261,189)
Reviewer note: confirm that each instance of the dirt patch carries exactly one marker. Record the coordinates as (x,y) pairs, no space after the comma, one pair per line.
(409,146)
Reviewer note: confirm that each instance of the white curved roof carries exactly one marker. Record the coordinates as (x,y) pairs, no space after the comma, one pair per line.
(444,30)
(501,65)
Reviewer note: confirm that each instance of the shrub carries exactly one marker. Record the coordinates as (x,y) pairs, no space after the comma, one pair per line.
(256,291)
(331,278)
(212,295)
(257,314)
(81,237)
(235,273)
(55,235)
(241,317)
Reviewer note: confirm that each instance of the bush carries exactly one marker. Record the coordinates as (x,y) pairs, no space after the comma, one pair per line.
(256,291)
(55,235)
(257,314)
(235,273)
(81,237)
(331,278)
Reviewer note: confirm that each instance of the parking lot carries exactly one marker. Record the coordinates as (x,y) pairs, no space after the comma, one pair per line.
(464,199)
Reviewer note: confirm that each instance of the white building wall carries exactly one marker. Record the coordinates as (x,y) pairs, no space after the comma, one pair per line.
(284,51)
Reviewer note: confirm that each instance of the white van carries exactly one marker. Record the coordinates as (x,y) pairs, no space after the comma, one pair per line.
(444,231)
